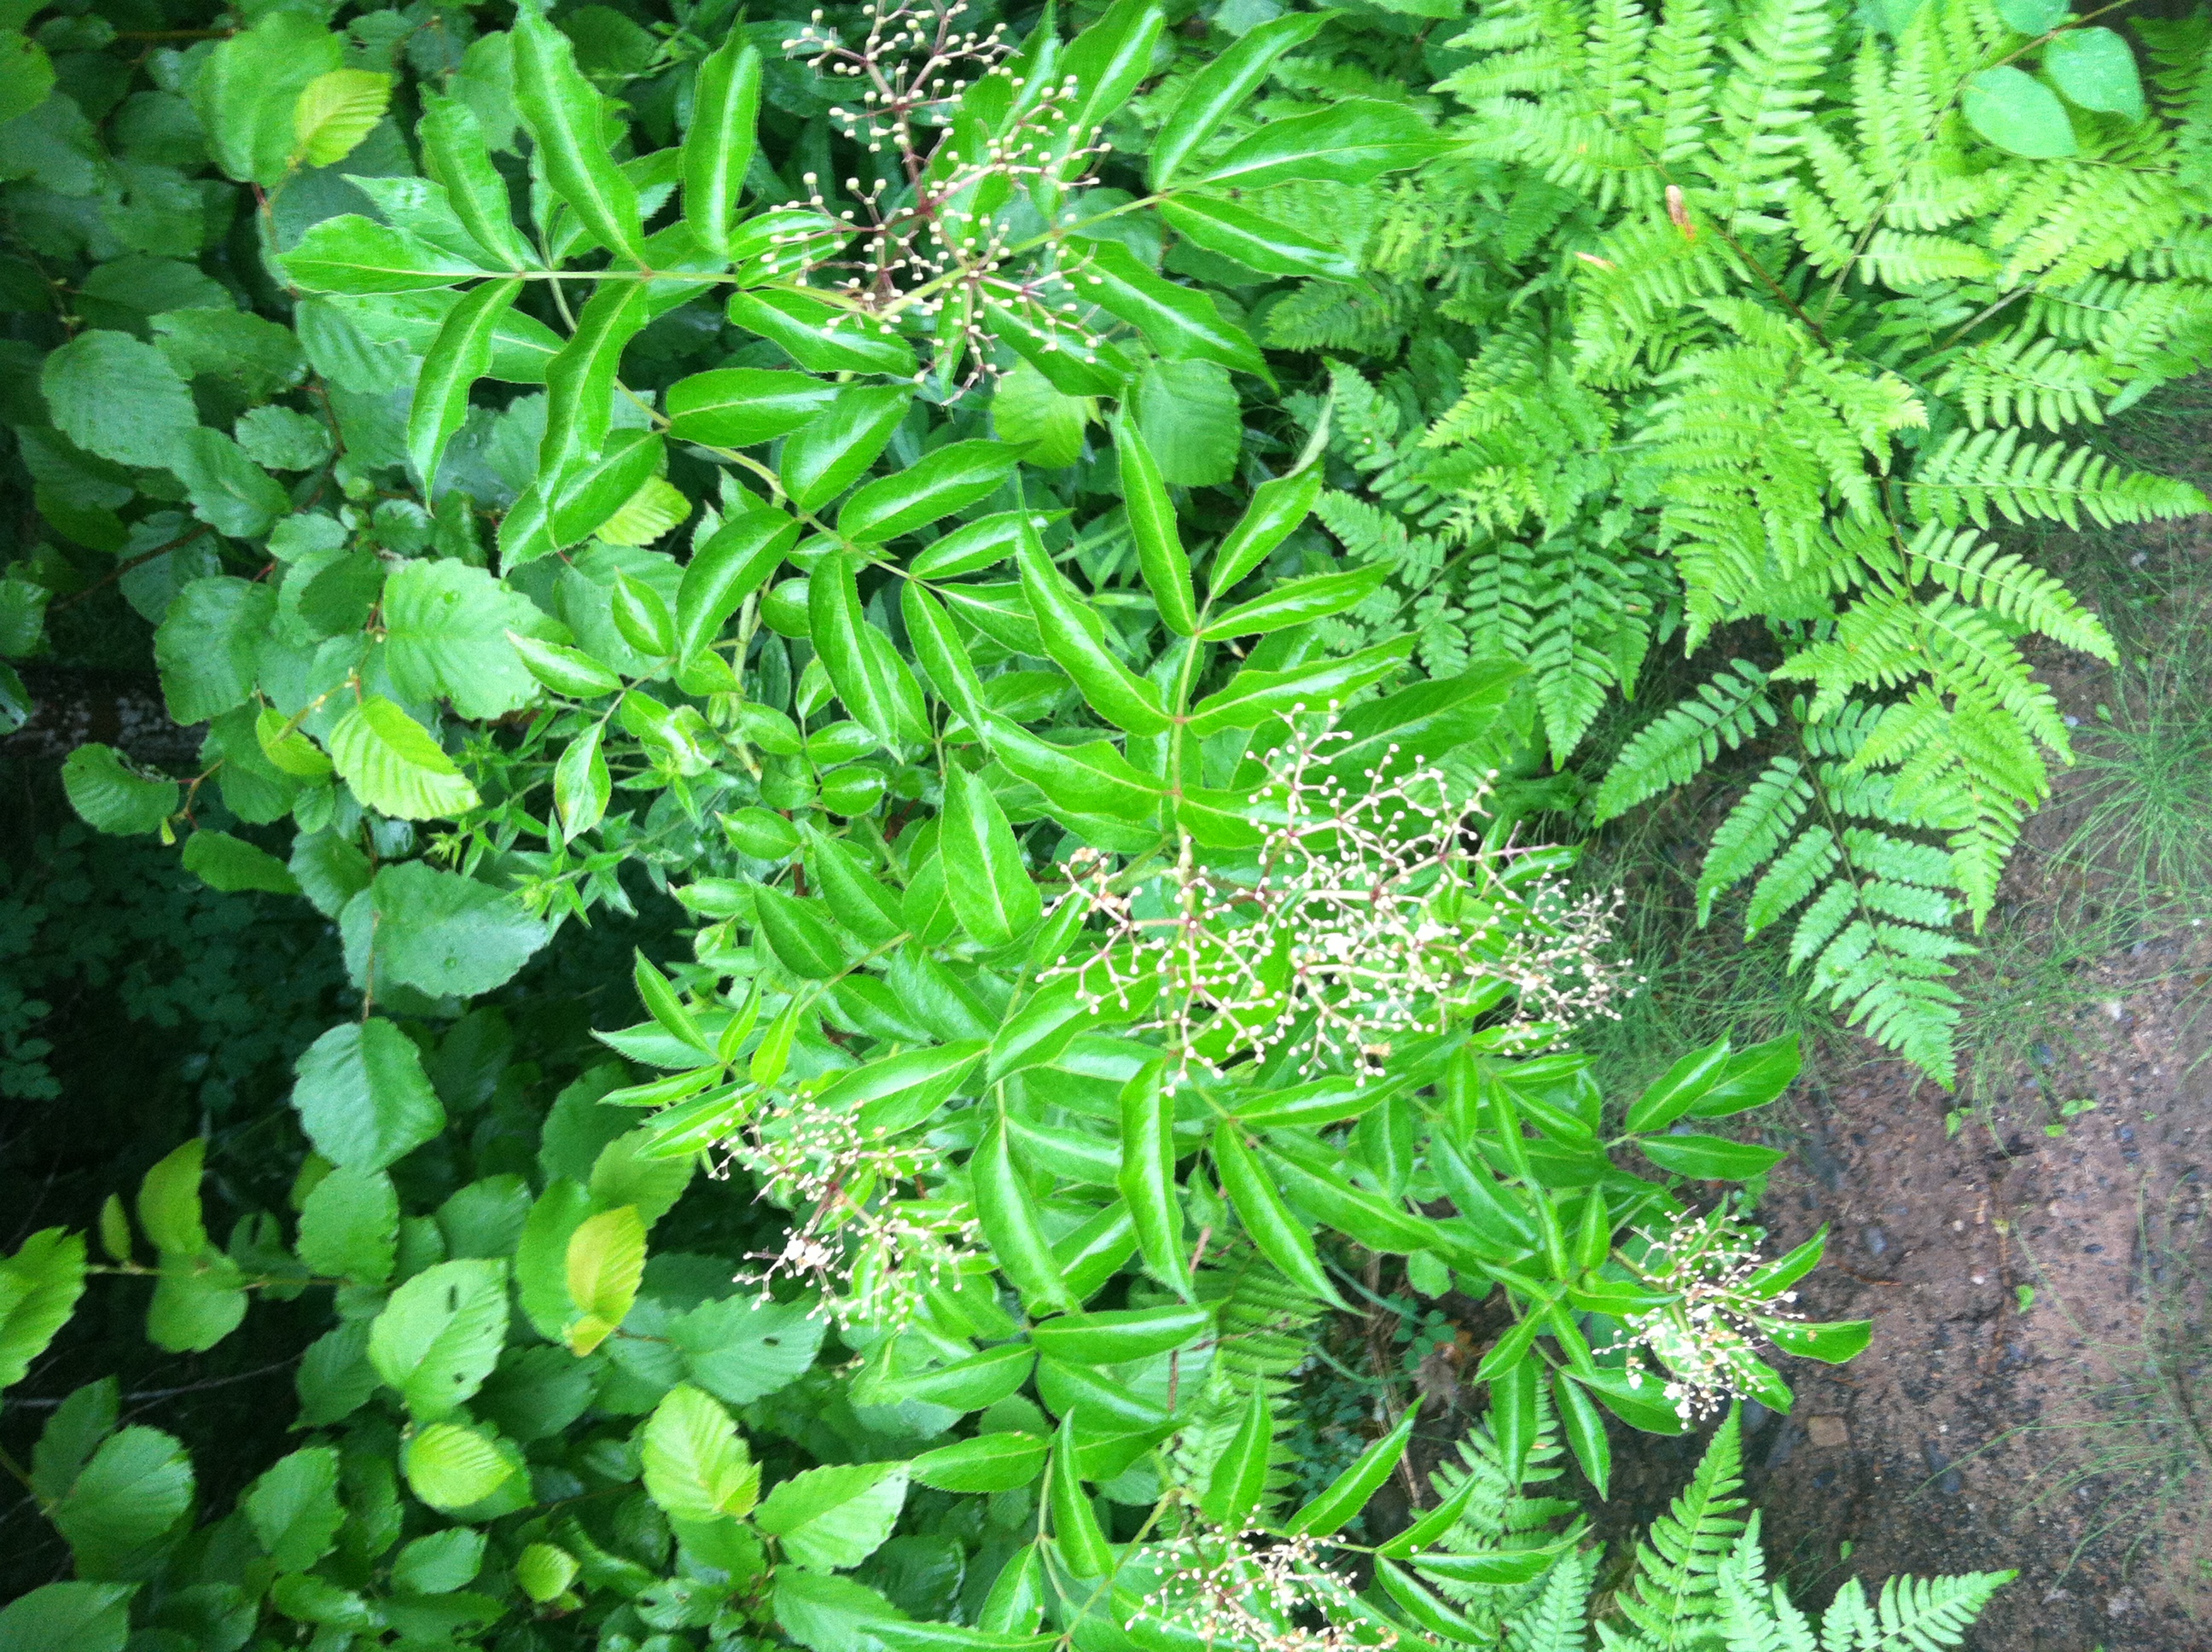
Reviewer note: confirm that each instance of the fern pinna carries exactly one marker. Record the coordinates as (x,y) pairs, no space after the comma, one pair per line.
(1697,1581)
(1752,325)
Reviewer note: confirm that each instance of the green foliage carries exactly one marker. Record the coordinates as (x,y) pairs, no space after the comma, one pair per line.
(848,523)
(1759,310)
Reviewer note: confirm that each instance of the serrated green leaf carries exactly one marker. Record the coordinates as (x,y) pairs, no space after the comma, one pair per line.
(696,1465)
(362,1096)
(439,1335)
(394,766)
(450,1466)
(294,1508)
(109,797)
(335,111)
(831,1518)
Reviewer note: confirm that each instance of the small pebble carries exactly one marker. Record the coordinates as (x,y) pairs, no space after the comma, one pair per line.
(1875,1241)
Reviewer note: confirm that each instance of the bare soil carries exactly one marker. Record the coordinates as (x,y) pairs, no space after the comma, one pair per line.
(1988,1428)
(1955,1444)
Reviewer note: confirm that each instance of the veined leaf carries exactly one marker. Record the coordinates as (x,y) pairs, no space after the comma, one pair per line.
(1296,602)
(579,384)
(739,407)
(948,480)
(834,449)
(605,1265)
(1348,1494)
(695,1462)
(1278,509)
(735,562)
(456,154)
(1148,1180)
(1009,1224)
(564,114)
(719,148)
(941,654)
(1106,62)
(1221,86)
(1352,142)
(1277,1233)
(990,889)
(350,254)
(1181,323)
(1153,525)
(1091,778)
(875,683)
(820,336)
(460,356)
(1074,636)
(1253,696)
(1258,243)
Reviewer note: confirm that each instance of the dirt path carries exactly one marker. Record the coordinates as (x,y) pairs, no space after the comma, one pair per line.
(2020,1258)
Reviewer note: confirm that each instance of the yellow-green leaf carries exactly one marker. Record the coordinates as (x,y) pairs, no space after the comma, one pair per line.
(336,112)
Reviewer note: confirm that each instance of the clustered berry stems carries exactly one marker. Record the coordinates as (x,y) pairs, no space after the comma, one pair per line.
(1365,915)
(943,245)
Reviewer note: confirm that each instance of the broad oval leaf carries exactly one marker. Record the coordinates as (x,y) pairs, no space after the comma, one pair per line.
(989,1462)
(2095,68)
(740,407)
(2018,113)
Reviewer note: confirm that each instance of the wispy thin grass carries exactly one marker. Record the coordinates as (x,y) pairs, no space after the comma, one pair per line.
(1698,983)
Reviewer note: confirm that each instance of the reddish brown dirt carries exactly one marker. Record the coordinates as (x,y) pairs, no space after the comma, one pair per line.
(1976,1434)
(1951,1445)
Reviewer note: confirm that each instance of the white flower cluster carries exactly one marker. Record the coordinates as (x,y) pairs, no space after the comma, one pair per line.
(1365,915)
(945,223)
(872,1256)
(1255,1592)
(1707,1340)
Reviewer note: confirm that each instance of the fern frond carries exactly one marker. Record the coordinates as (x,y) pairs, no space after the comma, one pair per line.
(1365,317)
(1760,822)
(1672,1591)
(1898,258)
(2028,381)
(1755,1616)
(1558,1620)
(2119,194)
(1922,1612)
(1265,1336)
(1677,81)
(1796,872)
(1974,473)
(1669,750)
(1372,535)
(2003,583)
(1766,105)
